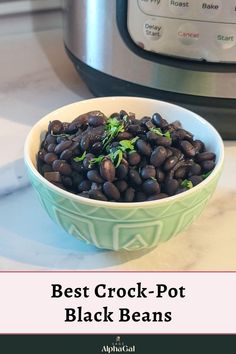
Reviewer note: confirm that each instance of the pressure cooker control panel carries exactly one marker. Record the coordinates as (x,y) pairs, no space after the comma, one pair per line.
(192,29)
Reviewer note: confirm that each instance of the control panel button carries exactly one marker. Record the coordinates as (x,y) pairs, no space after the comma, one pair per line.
(179,7)
(210,8)
(226,39)
(153,29)
(149,7)
(188,33)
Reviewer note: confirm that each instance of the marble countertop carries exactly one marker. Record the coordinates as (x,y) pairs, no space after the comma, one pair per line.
(36,78)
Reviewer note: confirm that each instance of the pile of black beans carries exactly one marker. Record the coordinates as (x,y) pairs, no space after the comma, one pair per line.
(121,158)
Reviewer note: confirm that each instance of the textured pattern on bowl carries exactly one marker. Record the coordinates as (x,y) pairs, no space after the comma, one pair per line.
(129,226)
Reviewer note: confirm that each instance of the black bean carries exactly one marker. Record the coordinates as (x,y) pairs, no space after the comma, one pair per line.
(67,181)
(122,185)
(122,114)
(156,170)
(65,168)
(148,171)
(122,171)
(85,142)
(46,168)
(61,138)
(157,196)
(50,139)
(63,146)
(50,157)
(96,120)
(181,172)
(111,191)
(144,120)
(62,166)
(204,156)
(124,136)
(107,170)
(56,164)
(41,154)
(174,126)
(195,179)
(181,134)
(134,158)
(76,178)
(72,128)
(97,194)
(170,163)
(65,127)
(187,148)
(87,162)
(158,156)
(149,124)
(143,147)
(51,147)
(163,141)
(171,186)
(144,161)
(66,154)
(129,194)
(207,165)
(96,148)
(84,185)
(55,127)
(177,153)
(159,121)
(160,175)
(198,145)
(195,169)
(134,177)
(151,186)
(152,137)
(170,152)
(77,166)
(140,197)
(53,176)
(81,120)
(94,176)
(134,129)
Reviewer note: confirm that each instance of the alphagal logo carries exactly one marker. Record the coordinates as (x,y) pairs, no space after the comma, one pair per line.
(118,346)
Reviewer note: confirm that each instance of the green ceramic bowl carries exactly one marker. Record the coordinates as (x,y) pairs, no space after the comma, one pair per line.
(129,226)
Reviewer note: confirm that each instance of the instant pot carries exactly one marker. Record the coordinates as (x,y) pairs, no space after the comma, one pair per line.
(178,51)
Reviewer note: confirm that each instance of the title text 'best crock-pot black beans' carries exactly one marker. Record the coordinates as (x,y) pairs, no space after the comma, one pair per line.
(121,158)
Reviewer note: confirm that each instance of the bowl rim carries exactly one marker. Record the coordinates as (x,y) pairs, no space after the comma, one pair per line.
(122,205)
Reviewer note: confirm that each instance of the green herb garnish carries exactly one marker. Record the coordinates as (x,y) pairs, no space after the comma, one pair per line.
(124,145)
(205,175)
(158,131)
(128,144)
(113,128)
(80,158)
(116,153)
(96,160)
(187,184)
